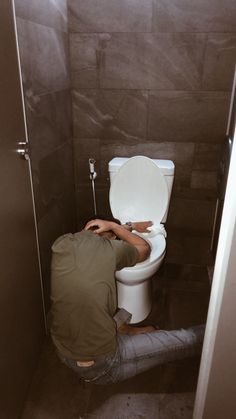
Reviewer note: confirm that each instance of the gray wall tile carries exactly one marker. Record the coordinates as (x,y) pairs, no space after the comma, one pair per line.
(44,57)
(207,156)
(191,214)
(109,114)
(187,192)
(188,116)
(45,12)
(220,60)
(49,122)
(110,15)
(84,55)
(85,207)
(194,16)
(49,130)
(181,244)
(152,61)
(54,174)
(200,178)
(56,196)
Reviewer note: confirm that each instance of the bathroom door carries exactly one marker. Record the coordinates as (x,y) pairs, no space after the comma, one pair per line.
(21,307)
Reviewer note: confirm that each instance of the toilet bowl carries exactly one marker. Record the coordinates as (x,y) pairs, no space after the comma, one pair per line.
(140,191)
(134,284)
(136,274)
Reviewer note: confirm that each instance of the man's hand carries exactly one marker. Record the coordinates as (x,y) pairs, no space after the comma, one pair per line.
(102,226)
(142,226)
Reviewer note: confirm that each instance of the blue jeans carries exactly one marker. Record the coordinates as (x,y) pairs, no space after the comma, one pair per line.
(138,353)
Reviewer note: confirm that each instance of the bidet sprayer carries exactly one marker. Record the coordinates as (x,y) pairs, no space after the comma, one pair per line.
(93,174)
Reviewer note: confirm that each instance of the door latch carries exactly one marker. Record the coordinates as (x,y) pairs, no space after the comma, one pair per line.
(23,149)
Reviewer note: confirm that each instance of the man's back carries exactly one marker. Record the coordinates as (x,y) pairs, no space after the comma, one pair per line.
(84,293)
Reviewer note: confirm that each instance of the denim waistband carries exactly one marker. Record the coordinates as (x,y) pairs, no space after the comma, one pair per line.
(100,367)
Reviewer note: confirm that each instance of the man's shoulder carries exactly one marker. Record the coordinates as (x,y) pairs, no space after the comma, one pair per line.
(126,254)
(67,240)
(121,245)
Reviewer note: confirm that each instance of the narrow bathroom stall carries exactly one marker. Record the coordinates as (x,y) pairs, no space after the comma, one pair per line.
(96,80)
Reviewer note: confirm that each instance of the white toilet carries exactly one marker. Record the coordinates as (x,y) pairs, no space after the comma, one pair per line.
(140,191)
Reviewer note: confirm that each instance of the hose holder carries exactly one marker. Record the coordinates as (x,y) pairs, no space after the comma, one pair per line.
(93,174)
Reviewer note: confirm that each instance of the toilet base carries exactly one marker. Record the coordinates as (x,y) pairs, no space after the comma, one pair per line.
(137,299)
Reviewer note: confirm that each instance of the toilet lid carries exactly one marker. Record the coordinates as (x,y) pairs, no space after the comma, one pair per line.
(139,191)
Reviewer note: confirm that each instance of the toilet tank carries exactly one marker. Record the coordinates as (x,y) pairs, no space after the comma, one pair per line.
(167,168)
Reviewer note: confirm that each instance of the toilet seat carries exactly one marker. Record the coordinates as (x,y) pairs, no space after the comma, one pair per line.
(136,274)
(139,192)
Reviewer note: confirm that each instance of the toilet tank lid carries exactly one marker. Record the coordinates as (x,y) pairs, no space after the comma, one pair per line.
(167,167)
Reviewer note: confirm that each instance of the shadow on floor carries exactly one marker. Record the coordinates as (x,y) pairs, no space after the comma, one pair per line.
(181,295)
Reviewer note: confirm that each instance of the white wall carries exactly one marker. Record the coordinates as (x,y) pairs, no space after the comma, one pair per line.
(216,398)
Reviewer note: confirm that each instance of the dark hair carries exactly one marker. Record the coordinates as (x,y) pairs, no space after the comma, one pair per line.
(102,217)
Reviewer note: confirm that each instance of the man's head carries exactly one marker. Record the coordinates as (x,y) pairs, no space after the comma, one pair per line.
(108,234)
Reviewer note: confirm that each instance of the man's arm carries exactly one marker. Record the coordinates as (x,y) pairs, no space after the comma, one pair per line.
(120,231)
(140,226)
